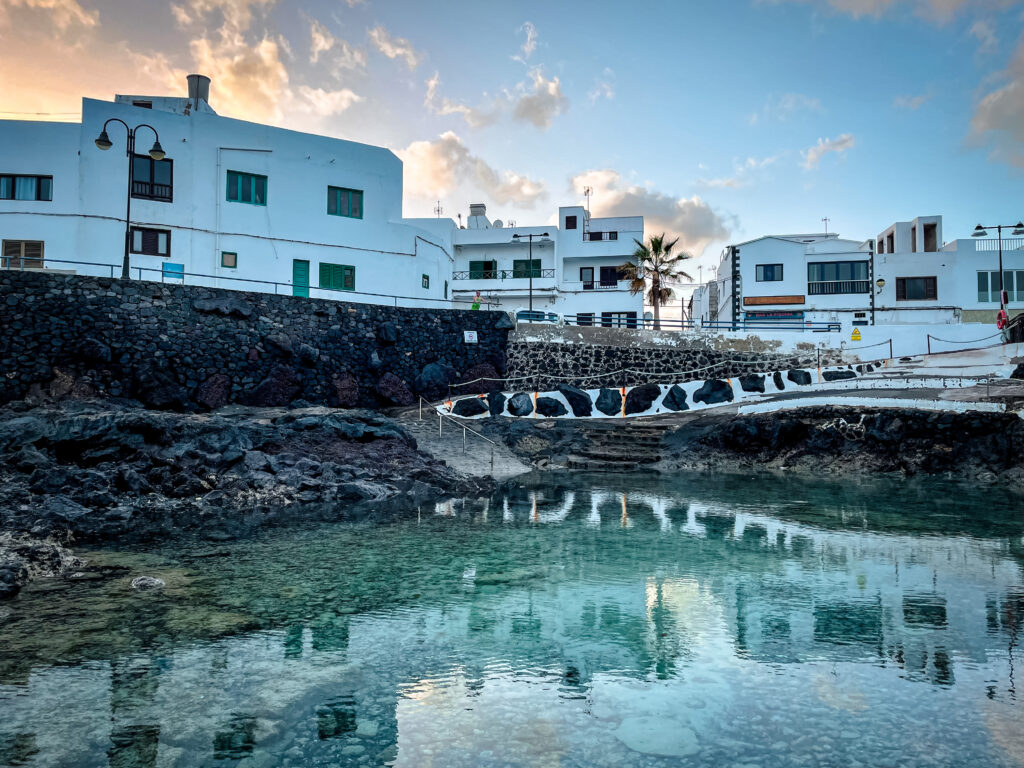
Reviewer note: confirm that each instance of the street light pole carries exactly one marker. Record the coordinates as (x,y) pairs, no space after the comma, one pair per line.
(530,259)
(1018,229)
(157,153)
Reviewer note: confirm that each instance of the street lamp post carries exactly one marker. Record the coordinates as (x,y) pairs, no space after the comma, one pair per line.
(157,153)
(519,238)
(980,231)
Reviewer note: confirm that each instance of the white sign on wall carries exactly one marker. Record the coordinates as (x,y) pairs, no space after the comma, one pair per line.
(469,337)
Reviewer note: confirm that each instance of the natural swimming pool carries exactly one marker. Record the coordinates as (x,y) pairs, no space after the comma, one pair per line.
(636,621)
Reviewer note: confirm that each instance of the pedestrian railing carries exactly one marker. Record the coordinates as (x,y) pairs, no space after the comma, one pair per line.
(466,431)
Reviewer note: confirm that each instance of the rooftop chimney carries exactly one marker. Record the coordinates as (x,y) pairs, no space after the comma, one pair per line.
(477,217)
(198,89)
(477,209)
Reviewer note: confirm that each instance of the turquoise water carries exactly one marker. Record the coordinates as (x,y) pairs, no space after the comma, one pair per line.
(733,621)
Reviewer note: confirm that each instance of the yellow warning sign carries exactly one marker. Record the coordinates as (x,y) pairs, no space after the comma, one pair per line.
(855,336)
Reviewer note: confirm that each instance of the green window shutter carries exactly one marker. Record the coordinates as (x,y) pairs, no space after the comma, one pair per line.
(325,275)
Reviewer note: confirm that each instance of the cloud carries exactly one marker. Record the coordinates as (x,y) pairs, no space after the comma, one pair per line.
(344,55)
(937,11)
(326,103)
(64,13)
(813,155)
(394,47)
(236,14)
(999,117)
(985,34)
(435,168)
(249,80)
(690,219)
(604,86)
(784,107)
(322,40)
(475,118)
(530,44)
(542,104)
(741,175)
(910,102)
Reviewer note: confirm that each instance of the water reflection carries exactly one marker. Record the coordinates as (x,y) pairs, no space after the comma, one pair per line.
(626,623)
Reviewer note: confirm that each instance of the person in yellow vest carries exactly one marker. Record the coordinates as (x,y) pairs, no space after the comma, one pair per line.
(477,299)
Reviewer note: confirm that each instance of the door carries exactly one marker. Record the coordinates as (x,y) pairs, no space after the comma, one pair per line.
(587,278)
(300,278)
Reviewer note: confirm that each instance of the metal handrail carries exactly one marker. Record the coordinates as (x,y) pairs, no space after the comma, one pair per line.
(501,274)
(440,422)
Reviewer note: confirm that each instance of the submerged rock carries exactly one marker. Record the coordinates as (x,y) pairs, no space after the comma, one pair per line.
(147,583)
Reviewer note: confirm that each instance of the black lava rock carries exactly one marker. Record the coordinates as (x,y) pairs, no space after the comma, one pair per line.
(548,406)
(469,406)
(578,400)
(496,402)
(713,391)
(434,379)
(392,390)
(777,379)
(609,402)
(387,333)
(229,306)
(1018,372)
(752,382)
(280,343)
(520,404)
(838,375)
(94,350)
(675,399)
(797,376)
(640,399)
(504,323)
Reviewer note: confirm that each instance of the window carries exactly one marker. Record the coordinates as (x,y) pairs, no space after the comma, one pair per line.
(609,277)
(587,278)
(151,242)
(142,104)
(229,259)
(341,277)
(836,277)
(426,281)
(345,202)
(483,270)
(768,273)
(585,318)
(618,319)
(26,187)
(989,285)
(916,288)
(152,179)
(247,188)
(524,268)
(173,271)
(570,222)
(22,254)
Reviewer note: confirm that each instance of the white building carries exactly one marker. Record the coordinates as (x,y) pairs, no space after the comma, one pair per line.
(574,267)
(241,205)
(231,202)
(912,278)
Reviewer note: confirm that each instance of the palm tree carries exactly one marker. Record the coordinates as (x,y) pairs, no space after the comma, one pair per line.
(655,262)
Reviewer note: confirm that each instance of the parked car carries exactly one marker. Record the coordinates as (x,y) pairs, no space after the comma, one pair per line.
(524,315)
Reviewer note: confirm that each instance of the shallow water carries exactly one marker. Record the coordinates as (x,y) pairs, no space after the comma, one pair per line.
(733,621)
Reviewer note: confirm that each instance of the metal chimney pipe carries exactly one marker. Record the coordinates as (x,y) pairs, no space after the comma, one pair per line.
(198,89)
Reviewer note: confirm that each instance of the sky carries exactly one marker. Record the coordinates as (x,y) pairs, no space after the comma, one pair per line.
(717,120)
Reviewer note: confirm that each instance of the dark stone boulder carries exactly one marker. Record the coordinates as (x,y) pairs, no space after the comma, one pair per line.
(675,399)
(609,402)
(798,376)
(375,362)
(484,377)
(496,402)
(1018,372)
(13,574)
(640,399)
(280,343)
(520,404)
(713,391)
(393,390)
(469,406)
(434,379)
(577,399)
(777,380)
(229,306)
(280,387)
(346,390)
(752,382)
(94,350)
(158,389)
(838,375)
(504,322)
(214,392)
(308,354)
(548,406)
(387,333)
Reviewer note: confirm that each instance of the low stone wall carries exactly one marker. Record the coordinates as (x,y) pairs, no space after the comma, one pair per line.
(183,347)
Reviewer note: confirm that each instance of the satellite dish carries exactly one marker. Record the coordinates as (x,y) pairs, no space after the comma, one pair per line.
(497,224)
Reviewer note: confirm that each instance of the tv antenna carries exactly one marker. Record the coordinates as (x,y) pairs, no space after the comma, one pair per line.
(588,191)
(826,220)
(438,209)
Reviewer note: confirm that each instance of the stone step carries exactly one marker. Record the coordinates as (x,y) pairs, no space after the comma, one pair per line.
(620,458)
(597,465)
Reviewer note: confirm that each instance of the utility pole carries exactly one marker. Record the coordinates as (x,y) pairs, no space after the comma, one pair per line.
(826,220)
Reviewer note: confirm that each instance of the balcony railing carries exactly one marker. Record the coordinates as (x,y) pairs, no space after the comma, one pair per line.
(501,274)
(834,287)
(595,236)
(598,285)
(149,190)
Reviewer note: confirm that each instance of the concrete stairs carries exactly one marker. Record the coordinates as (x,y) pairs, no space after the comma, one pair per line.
(621,446)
